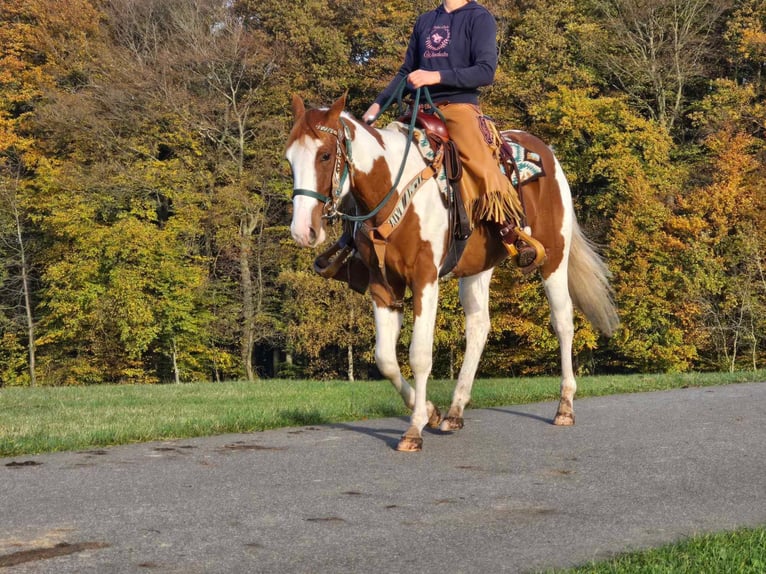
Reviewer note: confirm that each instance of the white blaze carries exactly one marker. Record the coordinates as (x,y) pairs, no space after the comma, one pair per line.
(301,154)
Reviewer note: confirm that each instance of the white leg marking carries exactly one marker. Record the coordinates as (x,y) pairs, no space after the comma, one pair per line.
(388,324)
(421,351)
(474,296)
(562,319)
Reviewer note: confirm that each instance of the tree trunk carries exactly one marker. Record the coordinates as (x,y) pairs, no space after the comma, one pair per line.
(248,311)
(27,297)
(176,374)
(350,349)
(274,362)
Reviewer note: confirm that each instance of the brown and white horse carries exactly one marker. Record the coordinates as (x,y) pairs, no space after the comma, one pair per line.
(325,143)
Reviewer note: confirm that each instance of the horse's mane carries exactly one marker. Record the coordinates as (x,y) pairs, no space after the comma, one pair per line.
(347,205)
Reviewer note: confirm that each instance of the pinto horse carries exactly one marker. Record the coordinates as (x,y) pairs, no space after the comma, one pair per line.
(333,155)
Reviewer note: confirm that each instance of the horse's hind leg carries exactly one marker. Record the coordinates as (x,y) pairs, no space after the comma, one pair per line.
(562,319)
(474,296)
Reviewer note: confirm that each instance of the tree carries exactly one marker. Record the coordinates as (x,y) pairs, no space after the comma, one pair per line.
(619,164)
(540,46)
(654,49)
(746,37)
(28,69)
(720,221)
(324,320)
(16,265)
(214,71)
(145,196)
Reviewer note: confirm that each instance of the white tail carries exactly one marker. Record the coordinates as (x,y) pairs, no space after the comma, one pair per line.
(589,284)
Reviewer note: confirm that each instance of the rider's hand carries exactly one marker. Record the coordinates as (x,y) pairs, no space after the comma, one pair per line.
(371,113)
(420,78)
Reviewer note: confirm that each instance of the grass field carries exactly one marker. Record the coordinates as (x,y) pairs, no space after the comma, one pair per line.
(742,551)
(45,419)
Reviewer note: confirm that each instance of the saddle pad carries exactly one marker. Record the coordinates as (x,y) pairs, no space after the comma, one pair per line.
(425,149)
(529,163)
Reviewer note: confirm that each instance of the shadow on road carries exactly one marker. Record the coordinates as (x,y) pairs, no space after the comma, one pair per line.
(520,414)
(388,436)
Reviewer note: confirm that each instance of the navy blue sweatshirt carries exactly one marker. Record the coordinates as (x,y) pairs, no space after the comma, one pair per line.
(461,45)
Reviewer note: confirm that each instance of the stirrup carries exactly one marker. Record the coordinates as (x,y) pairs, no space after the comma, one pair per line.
(526,255)
(329,262)
(531,252)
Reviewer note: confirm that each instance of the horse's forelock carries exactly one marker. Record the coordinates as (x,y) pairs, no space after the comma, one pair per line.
(302,127)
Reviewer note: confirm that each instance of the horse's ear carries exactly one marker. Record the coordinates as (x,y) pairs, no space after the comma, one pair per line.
(338,106)
(298,107)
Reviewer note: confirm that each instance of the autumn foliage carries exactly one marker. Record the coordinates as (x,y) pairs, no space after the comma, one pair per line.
(144,200)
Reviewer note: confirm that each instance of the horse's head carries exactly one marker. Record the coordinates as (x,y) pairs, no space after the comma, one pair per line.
(316,155)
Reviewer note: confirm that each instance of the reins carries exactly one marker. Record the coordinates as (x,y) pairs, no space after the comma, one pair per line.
(343,155)
(398,93)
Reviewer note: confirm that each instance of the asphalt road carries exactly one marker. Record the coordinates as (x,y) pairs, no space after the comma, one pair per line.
(508,493)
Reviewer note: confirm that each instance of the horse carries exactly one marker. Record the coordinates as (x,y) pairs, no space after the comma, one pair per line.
(333,157)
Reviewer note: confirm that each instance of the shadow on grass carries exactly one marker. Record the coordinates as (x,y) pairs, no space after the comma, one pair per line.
(297,417)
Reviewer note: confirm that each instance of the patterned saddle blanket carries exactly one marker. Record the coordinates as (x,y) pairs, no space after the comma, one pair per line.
(528,163)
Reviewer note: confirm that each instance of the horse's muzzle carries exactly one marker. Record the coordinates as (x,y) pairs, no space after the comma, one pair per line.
(307,236)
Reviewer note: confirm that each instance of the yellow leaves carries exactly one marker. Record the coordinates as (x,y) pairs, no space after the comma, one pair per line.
(8,136)
(13,354)
(732,195)
(753,45)
(601,139)
(148,157)
(747,30)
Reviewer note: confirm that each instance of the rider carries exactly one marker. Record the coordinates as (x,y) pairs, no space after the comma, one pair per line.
(453,51)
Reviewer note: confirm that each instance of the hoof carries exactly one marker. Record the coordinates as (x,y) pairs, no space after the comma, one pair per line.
(451,424)
(564,420)
(410,444)
(435,418)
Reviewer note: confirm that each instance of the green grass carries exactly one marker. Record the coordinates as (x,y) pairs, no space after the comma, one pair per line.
(45,419)
(742,551)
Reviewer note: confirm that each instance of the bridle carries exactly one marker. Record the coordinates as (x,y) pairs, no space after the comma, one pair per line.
(343,168)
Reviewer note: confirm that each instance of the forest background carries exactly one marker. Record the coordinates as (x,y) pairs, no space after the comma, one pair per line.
(144,198)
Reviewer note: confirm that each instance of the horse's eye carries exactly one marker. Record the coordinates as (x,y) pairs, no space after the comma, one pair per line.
(325,156)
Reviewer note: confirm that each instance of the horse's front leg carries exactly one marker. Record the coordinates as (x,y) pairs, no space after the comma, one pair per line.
(474,297)
(388,324)
(425,301)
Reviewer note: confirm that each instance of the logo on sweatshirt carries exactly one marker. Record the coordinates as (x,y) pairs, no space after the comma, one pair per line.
(436,42)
